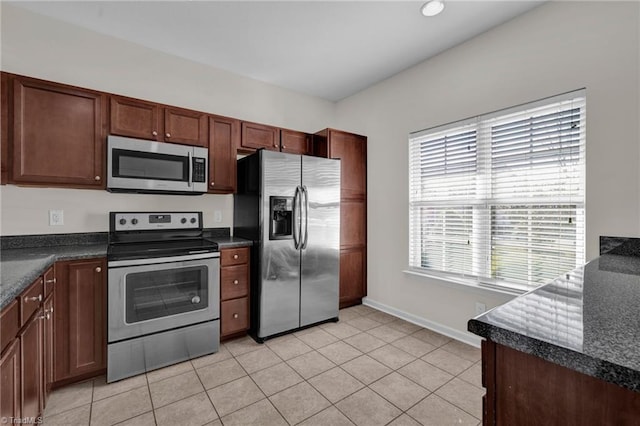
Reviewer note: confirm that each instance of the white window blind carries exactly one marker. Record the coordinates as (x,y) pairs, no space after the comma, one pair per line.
(500,198)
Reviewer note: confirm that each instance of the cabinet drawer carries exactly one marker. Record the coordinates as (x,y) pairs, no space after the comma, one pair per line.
(9,324)
(30,300)
(49,281)
(234,282)
(234,316)
(237,256)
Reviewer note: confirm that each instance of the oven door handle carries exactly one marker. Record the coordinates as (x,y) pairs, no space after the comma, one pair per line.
(156,260)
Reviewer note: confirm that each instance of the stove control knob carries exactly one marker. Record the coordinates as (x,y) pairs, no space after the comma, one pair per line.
(193,220)
(183,220)
(123,221)
(195,299)
(134,221)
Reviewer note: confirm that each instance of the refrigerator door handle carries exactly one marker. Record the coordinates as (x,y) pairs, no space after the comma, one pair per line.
(306,216)
(296,218)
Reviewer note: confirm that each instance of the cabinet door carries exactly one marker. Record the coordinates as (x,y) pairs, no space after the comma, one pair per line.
(256,136)
(80,318)
(48,327)
(295,142)
(10,378)
(135,118)
(352,150)
(352,275)
(58,134)
(185,126)
(353,214)
(31,367)
(224,138)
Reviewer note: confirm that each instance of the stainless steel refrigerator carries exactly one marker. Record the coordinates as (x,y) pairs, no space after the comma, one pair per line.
(289,205)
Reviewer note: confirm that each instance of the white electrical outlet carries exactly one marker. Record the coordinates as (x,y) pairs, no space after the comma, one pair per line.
(217,216)
(480,308)
(56,217)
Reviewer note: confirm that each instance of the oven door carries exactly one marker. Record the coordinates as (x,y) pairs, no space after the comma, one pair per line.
(151,295)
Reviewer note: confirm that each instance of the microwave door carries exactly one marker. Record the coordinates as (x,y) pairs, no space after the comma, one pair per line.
(146,166)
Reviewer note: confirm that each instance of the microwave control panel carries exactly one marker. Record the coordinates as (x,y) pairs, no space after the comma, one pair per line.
(199,169)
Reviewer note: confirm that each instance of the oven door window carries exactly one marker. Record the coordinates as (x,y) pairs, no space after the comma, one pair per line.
(150,165)
(156,294)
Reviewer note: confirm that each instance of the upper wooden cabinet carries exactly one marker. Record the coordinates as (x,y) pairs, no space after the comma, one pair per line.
(295,142)
(135,118)
(148,120)
(58,134)
(256,136)
(185,126)
(224,137)
(352,150)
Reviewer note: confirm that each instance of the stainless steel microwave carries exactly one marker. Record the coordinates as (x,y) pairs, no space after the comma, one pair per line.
(136,165)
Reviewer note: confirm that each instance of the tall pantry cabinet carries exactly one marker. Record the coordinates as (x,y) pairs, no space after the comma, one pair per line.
(351,149)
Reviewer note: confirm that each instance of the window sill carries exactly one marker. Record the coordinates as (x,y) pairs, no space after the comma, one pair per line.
(468,284)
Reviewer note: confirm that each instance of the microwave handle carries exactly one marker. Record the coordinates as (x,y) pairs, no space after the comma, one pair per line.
(190,169)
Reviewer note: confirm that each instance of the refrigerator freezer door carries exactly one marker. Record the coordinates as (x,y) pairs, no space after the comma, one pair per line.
(279,285)
(321,257)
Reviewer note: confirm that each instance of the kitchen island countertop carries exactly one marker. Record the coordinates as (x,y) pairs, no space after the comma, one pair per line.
(586,320)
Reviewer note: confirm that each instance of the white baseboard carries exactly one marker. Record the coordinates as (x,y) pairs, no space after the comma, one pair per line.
(467,338)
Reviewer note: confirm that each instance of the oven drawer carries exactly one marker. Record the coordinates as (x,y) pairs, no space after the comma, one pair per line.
(30,300)
(236,256)
(234,316)
(234,282)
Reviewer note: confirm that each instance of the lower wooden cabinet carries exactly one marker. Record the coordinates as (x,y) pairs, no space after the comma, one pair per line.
(10,381)
(80,319)
(523,389)
(48,354)
(352,275)
(31,378)
(234,291)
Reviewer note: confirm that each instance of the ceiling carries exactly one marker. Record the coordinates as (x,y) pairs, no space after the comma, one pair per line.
(328,49)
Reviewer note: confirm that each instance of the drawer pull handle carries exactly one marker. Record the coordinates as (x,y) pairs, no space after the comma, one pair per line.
(154,133)
(235,256)
(235,282)
(97,178)
(53,281)
(168,135)
(235,316)
(98,269)
(37,298)
(46,316)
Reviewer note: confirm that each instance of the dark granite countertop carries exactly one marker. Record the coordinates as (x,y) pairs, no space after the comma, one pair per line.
(231,242)
(24,258)
(587,320)
(21,266)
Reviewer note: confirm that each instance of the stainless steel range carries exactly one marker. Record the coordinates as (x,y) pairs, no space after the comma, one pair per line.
(163,297)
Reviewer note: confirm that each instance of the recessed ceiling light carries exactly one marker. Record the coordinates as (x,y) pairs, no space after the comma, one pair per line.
(432,8)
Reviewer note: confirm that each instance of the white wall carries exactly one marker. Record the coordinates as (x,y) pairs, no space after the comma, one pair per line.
(557,47)
(44,48)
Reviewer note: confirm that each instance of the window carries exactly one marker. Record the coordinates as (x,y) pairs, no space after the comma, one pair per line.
(500,198)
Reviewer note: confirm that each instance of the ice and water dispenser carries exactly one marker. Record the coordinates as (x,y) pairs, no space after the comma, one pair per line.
(281,218)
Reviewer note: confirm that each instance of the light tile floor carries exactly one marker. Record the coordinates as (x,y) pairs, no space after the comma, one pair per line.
(368,369)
